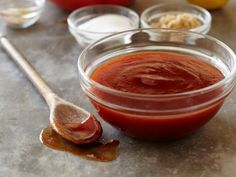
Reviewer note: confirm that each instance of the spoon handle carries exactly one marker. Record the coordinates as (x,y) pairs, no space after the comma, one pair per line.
(29,70)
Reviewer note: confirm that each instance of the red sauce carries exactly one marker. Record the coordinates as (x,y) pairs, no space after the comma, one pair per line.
(156,73)
(98,151)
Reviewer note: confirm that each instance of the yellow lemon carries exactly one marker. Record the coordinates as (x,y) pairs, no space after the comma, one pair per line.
(209,4)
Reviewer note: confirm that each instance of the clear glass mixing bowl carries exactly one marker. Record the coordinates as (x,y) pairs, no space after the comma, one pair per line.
(167,116)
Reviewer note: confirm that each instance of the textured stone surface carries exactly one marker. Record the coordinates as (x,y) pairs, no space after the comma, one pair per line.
(210,152)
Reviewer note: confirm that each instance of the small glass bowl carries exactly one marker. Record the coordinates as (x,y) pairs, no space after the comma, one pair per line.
(21,13)
(82,15)
(160,10)
(163,116)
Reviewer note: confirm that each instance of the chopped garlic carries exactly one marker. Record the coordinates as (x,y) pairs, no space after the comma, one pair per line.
(178,21)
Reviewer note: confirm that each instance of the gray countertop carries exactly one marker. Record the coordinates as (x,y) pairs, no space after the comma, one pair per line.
(210,152)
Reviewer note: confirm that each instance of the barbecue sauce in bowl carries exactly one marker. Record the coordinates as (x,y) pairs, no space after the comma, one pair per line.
(148,95)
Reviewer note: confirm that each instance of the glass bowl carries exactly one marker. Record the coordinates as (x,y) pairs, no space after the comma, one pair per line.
(82,15)
(157,11)
(21,13)
(158,117)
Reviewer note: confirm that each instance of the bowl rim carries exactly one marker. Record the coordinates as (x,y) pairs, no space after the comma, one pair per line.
(74,28)
(204,28)
(230,76)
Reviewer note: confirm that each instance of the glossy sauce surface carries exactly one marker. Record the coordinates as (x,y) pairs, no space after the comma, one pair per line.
(98,151)
(156,73)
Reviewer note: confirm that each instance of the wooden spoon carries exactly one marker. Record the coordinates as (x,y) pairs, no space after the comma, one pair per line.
(71,122)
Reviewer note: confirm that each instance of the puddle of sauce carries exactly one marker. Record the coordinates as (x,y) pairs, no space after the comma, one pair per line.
(98,151)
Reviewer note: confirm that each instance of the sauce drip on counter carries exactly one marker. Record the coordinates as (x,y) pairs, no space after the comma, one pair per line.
(156,73)
(98,151)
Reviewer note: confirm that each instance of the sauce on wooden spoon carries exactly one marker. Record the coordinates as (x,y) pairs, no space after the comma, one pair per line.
(69,121)
(74,123)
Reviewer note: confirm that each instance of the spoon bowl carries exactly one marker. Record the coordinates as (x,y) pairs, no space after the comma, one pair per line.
(74,123)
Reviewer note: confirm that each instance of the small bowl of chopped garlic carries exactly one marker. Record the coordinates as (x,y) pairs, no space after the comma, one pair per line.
(177,16)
